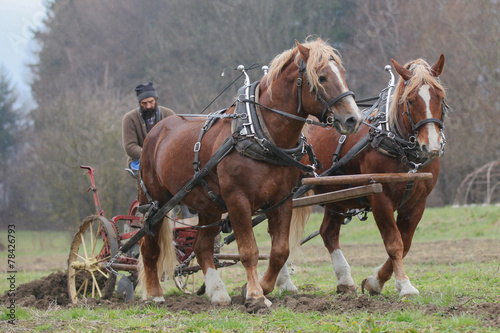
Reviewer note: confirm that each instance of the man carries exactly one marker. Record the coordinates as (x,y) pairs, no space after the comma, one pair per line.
(138,122)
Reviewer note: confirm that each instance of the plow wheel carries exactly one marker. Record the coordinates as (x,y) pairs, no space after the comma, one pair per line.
(184,280)
(93,245)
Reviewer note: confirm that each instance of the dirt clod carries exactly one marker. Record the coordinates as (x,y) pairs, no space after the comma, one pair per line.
(51,291)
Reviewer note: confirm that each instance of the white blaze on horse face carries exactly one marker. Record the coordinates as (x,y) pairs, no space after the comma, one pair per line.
(432,134)
(348,99)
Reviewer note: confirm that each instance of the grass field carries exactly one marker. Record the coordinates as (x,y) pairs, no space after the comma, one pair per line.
(448,274)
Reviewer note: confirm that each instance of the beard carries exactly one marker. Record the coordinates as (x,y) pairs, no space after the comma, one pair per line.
(148,112)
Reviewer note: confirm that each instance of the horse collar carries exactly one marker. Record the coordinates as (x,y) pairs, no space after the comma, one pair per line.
(254,141)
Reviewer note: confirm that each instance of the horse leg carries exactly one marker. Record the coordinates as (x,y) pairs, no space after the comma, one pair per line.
(300,216)
(394,247)
(204,250)
(279,229)
(241,221)
(330,231)
(407,221)
(284,282)
(150,254)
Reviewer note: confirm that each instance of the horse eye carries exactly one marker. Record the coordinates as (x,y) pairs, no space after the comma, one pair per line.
(322,79)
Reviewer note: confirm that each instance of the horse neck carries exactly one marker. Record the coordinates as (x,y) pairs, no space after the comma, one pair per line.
(285,132)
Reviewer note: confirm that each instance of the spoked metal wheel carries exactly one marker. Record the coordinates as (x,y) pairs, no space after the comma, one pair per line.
(94,244)
(185,282)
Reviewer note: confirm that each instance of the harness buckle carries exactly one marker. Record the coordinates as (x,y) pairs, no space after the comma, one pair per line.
(329,120)
(414,167)
(197,147)
(342,139)
(313,171)
(299,82)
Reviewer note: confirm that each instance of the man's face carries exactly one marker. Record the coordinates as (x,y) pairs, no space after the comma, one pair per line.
(148,105)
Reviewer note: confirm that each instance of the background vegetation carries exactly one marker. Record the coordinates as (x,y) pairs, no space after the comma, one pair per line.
(92,54)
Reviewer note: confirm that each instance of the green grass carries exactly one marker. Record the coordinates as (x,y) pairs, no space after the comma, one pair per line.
(463,282)
(153,319)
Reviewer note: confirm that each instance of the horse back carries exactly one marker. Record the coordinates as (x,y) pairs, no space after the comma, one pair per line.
(169,151)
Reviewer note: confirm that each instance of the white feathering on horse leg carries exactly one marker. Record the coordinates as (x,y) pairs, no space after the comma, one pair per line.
(216,289)
(405,288)
(158,299)
(284,282)
(342,269)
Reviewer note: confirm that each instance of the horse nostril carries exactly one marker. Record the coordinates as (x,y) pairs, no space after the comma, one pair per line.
(351,122)
(424,148)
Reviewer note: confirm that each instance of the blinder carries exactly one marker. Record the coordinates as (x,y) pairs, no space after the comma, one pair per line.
(327,105)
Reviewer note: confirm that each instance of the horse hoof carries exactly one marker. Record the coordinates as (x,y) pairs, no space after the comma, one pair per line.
(244,290)
(365,284)
(202,290)
(409,295)
(221,302)
(290,288)
(158,299)
(257,305)
(406,289)
(220,298)
(345,289)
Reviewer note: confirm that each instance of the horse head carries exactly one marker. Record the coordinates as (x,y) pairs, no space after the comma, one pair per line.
(325,94)
(419,98)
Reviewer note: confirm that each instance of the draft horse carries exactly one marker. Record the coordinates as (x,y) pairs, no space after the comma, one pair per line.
(254,173)
(412,141)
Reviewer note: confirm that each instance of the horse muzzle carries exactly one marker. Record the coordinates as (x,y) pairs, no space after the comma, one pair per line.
(344,125)
(433,150)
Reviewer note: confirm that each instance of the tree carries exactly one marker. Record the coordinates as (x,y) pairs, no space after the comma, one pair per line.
(8,116)
(467,33)
(9,124)
(93,53)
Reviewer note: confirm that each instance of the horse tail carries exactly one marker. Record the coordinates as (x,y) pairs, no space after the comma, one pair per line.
(300,217)
(167,260)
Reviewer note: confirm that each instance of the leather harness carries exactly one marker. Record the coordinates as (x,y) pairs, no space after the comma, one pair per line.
(389,143)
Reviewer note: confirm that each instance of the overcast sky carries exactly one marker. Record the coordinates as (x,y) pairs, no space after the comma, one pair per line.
(17,18)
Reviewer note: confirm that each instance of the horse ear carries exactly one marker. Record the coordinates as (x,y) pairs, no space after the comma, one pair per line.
(438,67)
(304,51)
(405,73)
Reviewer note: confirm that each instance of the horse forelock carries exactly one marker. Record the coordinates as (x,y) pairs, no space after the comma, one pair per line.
(320,53)
(421,75)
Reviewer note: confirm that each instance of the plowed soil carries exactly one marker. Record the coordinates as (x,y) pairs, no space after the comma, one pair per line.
(51,290)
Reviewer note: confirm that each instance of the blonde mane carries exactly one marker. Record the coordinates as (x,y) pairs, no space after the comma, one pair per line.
(421,75)
(319,56)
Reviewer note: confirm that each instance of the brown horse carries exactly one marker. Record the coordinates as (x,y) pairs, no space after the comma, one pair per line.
(413,142)
(238,184)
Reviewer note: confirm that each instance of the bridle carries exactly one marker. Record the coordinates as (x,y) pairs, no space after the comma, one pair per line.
(327,105)
(415,127)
